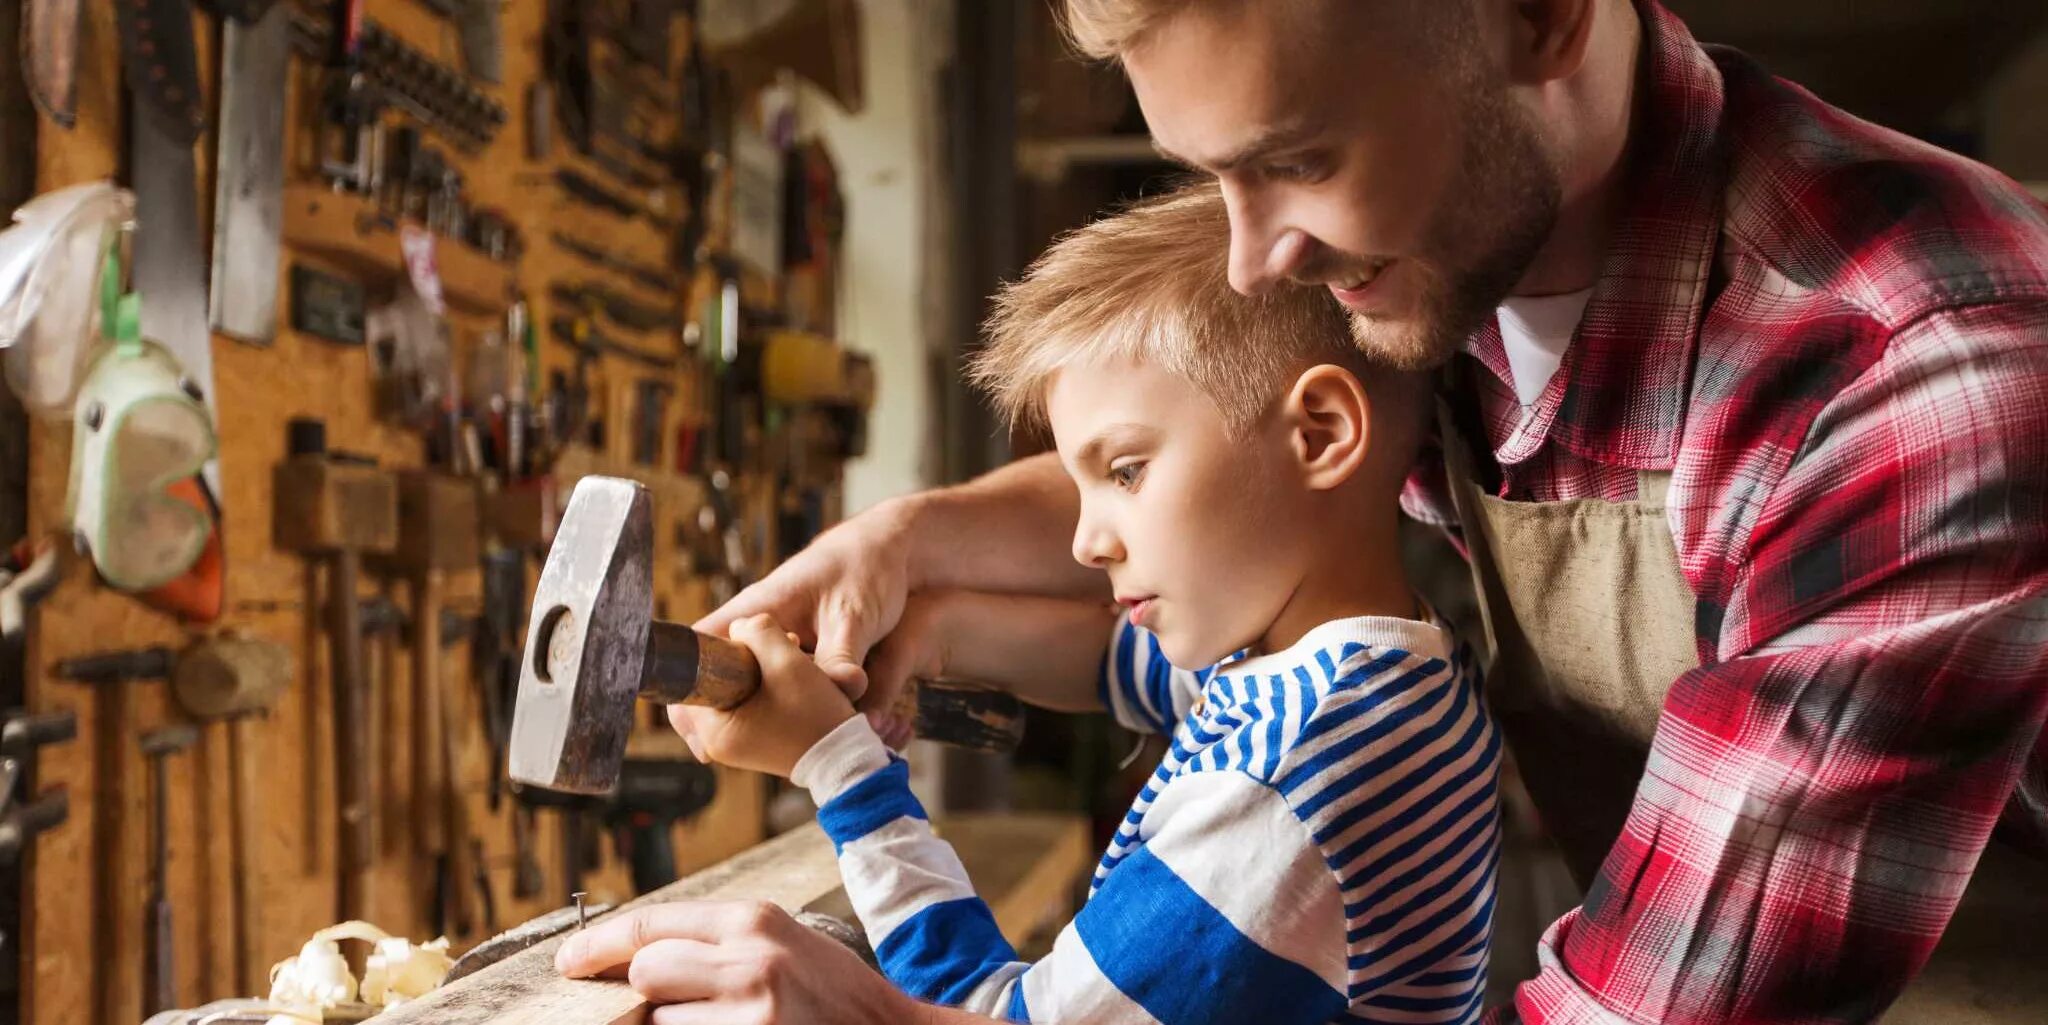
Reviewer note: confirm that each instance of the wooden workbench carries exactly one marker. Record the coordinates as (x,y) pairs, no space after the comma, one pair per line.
(1028,867)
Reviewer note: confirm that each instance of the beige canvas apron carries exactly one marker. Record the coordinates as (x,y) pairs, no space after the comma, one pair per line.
(1589,620)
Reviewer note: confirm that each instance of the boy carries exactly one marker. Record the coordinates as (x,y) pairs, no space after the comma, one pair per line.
(1320,841)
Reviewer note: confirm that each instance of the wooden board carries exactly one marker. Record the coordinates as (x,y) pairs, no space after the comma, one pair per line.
(794,871)
(1026,866)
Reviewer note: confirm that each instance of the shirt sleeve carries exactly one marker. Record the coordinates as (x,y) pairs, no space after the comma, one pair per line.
(1226,912)
(932,936)
(1815,801)
(1251,939)
(1142,689)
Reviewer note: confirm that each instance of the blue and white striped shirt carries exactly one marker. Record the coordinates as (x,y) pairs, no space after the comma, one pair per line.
(1319,844)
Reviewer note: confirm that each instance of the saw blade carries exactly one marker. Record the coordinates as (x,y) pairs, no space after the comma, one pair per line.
(170,275)
(49,54)
(248,205)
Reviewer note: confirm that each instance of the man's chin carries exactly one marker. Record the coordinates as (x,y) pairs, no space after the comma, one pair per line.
(1409,343)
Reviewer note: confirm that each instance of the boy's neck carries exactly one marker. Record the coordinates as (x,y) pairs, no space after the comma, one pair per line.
(1362,578)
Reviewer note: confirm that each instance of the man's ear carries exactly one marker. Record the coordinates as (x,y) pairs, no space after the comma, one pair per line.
(1547,39)
(1329,424)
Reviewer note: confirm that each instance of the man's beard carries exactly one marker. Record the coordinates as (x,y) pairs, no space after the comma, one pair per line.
(1493,220)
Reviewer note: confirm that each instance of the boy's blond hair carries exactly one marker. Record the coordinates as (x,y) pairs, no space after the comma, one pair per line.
(1104,29)
(1151,284)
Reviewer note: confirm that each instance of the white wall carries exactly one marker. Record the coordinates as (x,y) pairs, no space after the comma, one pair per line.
(883,173)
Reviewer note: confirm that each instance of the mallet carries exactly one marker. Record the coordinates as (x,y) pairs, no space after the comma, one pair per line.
(593,647)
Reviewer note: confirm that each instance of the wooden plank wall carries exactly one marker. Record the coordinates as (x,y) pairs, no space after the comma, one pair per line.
(84,917)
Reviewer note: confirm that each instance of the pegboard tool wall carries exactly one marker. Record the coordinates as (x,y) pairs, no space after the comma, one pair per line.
(83,920)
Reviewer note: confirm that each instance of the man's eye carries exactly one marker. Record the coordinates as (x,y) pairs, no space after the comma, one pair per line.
(1293,171)
(1128,475)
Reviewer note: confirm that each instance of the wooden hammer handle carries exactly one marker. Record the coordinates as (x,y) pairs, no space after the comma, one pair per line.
(691,668)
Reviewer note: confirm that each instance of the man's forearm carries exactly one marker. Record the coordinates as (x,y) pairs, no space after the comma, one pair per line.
(1047,651)
(1009,530)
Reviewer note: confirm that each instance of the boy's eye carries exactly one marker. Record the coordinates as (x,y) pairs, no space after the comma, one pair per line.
(1127,475)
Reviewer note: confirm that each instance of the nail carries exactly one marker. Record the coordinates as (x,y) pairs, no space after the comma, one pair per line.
(581,917)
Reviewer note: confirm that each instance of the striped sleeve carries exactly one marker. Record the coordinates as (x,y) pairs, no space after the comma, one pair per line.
(1225,913)
(1142,689)
(932,936)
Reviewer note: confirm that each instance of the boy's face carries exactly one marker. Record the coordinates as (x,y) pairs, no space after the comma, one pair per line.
(1201,534)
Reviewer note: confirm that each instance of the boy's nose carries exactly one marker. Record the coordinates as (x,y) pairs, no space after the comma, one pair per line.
(1096,548)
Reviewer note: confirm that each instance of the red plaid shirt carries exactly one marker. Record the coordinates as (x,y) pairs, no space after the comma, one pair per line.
(1836,338)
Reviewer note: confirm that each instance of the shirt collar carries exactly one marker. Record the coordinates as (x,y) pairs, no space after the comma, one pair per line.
(1620,394)
(1414,636)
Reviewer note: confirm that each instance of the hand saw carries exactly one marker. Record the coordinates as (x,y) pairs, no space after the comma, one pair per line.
(170,274)
(49,55)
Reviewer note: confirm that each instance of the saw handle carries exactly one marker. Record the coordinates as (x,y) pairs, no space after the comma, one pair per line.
(691,668)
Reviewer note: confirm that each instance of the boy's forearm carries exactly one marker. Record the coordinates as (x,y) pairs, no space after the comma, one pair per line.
(1047,651)
(1009,530)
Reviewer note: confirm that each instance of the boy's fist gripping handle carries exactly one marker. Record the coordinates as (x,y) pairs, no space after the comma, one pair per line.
(593,648)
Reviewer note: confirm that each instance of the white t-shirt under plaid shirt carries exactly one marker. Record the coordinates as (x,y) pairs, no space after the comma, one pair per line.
(1319,844)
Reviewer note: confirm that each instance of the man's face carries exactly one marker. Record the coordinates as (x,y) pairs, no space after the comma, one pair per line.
(1365,147)
(1201,533)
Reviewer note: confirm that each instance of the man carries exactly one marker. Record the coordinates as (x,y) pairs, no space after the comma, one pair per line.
(1745,430)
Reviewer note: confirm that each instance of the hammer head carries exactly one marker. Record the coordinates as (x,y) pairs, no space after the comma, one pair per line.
(586,642)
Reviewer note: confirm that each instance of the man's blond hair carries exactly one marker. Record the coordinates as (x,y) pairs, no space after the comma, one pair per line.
(1151,284)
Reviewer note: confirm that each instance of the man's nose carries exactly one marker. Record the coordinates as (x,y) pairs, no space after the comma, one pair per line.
(1261,254)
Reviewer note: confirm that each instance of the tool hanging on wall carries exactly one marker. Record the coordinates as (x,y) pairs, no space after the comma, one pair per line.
(26,812)
(437,534)
(248,204)
(162,66)
(652,796)
(619,308)
(233,679)
(160,975)
(483,48)
(169,269)
(494,657)
(49,57)
(406,78)
(23,817)
(645,273)
(348,151)
(578,333)
(336,511)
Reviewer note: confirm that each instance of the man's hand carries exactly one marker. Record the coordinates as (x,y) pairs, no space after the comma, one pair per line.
(839,596)
(734,963)
(915,650)
(796,706)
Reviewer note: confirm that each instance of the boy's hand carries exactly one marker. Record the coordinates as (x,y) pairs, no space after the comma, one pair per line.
(796,706)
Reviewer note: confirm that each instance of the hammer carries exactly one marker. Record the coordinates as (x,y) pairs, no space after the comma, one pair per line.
(336,510)
(593,646)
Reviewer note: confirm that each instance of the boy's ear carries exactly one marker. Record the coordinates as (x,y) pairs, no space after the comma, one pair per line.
(1329,423)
